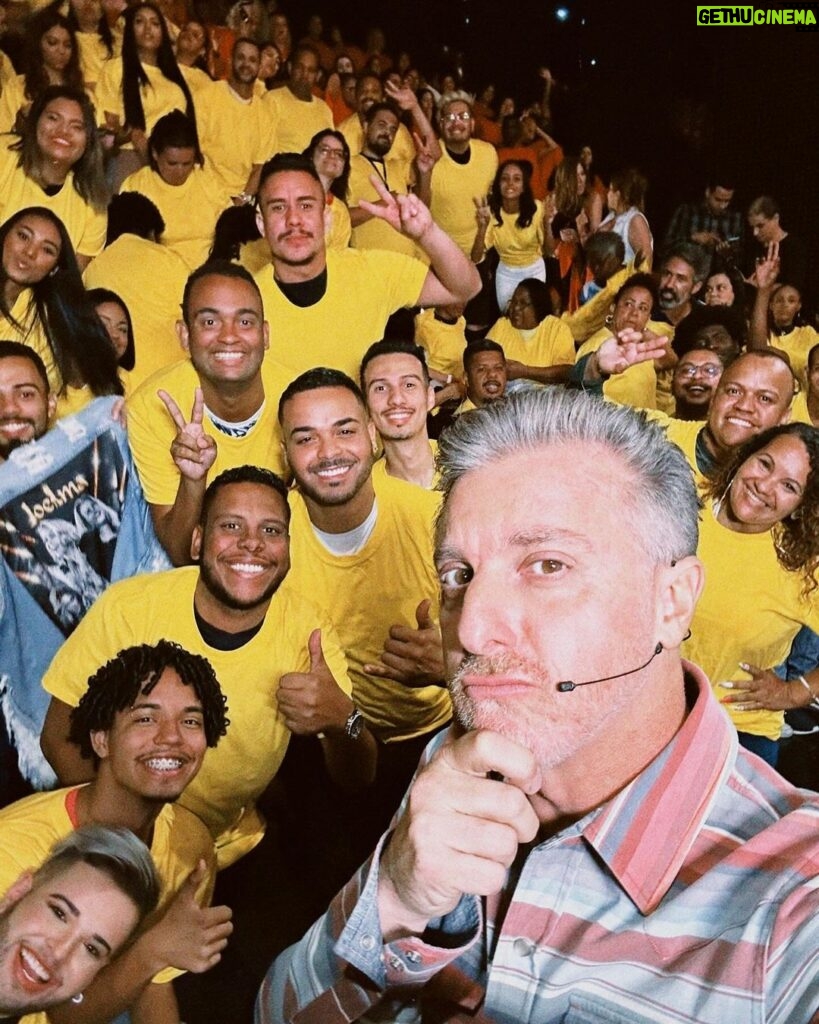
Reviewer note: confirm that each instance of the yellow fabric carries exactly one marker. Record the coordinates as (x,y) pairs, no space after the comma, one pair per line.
(85,226)
(145,609)
(235,135)
(151,430)
(443,343)
(684,434)
(454,186)
(516,246)
(366,593)
(467,405)
(197,81)
(190,210)
(353,131)
(32,334)
(797,343)
(636,387)
(150,279)
(31,826)
(93,54)
(6,69)
(591,316)
(380,468)
(72,400)
(750,610)
(551,345)
(376,233)
(297,121)
(363,288)
(799,409)
(159,97)
(12,97)
(339,230)
(665,399)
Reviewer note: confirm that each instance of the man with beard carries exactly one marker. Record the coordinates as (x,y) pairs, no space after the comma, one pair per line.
(328,307)
(231,387)
(362,544)
(26,402)
(634,862)
(63,924)
(235,127)
(277,657)
(369,90)
(396,386)
(695,380)
(485,372)
(147,718)
(295,111)
(377,157)
(683,269)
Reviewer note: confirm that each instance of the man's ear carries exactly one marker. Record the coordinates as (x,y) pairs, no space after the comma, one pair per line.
(697,287)
(99,743)
(183,334)
(680,586)
(430,397)
(51,405)
(196,542)
(260,222)
(17,891)
(373,435)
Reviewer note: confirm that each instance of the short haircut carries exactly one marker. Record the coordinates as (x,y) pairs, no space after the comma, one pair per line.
(281,163)
(719,177)
(217,268)
(243,475)
(642,280)
(134,672)
(539,295)
(367,75)
(764,206)
(304,47)
(812,352)
(768,353)
(314,380)
(709,316)
(134,214)
(725,358)
(481,345)
(698,258)
(603,244)
(117,853)
(173,130)
(662,500)
(389,347)
(17,350)
(378,108)
(250,42)
(453,97)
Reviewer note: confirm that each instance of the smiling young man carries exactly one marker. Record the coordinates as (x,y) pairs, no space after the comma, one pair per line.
(211,412)
(328,307)
(26,401)
(147,719)
(62,924)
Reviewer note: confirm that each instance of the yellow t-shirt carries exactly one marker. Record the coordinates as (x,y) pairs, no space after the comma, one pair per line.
(549,344)
(516,246)
(380,468)
(159,97)
(443,343)
(750,610)
(799,409)
(366,593)
(797,343)
(353,131)
(297,121)
(196,80)
(151,430)
(636,387)
(12,97)
(454,186)
(591,316)
(93,53)
(684,434)
(32,333)
(145,609)
(150,279)
(339,230)
(190,210)
(376,233)
(235,134)
(364,287)
(86,226)
(31,826)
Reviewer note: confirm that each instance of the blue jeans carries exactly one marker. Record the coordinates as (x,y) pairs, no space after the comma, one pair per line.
(767,749)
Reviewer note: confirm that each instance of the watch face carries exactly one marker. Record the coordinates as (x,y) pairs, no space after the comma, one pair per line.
(355,723)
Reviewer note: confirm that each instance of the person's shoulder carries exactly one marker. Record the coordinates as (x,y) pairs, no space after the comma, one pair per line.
(179,379)
(139,591)
(404,500)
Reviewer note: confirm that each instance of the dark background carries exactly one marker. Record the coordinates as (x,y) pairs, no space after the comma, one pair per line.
(671,97)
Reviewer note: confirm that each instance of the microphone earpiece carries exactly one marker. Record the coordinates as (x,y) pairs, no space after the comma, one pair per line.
(567,685)
(659,648)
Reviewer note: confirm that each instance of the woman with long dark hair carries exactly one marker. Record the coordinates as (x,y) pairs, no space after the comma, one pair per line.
(51,55)
(135,90)
(95,40)
(43,304)
(511,222)
(330,154)
(626,217)
(57,163)
(567,228)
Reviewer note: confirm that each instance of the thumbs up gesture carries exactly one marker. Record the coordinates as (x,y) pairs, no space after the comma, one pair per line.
(312,701)
(413,657)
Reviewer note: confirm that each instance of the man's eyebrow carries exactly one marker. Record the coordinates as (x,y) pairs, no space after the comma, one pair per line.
(220,312)
(385,380)
(338,423)
(145,705)
(548,535)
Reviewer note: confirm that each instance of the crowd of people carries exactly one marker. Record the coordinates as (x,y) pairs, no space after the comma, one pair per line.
(335,410)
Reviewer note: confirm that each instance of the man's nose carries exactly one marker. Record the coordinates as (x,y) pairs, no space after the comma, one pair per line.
(487,618)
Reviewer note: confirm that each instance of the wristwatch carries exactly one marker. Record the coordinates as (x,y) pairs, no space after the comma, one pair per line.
(354,724)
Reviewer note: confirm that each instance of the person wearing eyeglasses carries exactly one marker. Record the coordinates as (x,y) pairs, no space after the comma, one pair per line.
(330,154)
(695,380)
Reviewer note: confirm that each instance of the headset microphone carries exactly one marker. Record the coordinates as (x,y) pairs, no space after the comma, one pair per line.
(567,685)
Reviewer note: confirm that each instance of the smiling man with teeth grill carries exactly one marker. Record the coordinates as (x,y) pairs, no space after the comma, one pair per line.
(212,411)
(61,924)
(146,719)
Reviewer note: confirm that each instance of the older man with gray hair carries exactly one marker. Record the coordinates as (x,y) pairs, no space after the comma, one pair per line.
(634,863)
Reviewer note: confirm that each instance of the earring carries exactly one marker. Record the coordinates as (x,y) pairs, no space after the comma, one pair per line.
(77,999)
(609,321)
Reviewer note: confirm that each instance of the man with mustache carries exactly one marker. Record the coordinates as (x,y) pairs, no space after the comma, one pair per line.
(683,269)
(26,401)
(588,841)
(328,307)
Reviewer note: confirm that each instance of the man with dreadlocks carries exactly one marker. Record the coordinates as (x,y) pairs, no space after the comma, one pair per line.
(146,720)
